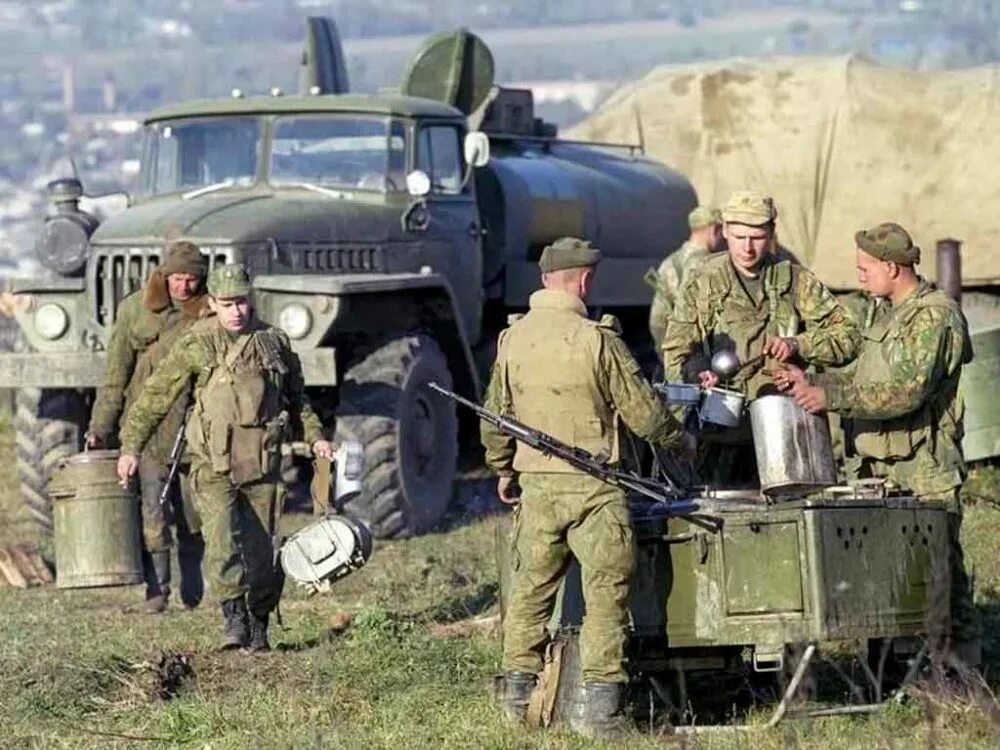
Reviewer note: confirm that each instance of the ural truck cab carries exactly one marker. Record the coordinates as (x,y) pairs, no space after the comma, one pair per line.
(388,235)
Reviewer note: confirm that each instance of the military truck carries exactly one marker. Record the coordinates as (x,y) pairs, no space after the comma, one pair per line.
(389,235)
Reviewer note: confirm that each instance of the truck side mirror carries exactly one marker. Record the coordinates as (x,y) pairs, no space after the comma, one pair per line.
(476,148)
(418,184)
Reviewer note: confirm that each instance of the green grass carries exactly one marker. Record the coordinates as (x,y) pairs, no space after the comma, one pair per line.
(83,668)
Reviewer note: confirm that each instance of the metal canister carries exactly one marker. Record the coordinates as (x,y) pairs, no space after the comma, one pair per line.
(96,537)
(722,407)
(793,447)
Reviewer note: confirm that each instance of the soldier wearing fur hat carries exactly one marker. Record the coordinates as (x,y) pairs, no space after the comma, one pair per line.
(147,324)
(574,378)
(248,398)
(899,401)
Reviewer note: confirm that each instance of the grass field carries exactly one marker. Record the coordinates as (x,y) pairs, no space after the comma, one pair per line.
(83,669)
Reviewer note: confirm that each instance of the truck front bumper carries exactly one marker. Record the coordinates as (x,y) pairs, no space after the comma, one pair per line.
(86,370)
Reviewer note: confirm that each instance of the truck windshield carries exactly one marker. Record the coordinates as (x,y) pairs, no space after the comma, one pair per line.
(356,153)
(200,153)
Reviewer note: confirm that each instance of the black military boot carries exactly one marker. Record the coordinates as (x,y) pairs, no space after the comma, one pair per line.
(597,712)
(513,693)
(258,632)
(235,628)
(158,583)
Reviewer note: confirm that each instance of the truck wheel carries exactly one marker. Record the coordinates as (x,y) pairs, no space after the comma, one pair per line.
(410,435)
(47,428)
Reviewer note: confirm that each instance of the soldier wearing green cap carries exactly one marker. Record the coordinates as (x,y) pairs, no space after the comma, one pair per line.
(764,309)
(248,399)
(147,324)
(899,401)
(574,378)
(705,223)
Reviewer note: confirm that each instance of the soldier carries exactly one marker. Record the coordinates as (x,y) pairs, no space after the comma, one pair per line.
(147,325)
(248,398)
(573,378)
(900,403)
(705,239)
(749,302)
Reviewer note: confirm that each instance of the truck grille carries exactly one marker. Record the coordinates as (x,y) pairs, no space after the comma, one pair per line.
(335,258)
(116,273)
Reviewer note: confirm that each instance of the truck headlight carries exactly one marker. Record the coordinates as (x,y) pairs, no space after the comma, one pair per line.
(51,321)
(296,320)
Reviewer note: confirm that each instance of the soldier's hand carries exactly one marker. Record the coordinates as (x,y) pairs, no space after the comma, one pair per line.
(92,440)
(812,398)
(707,379)
(128,467)
(509,490)
(781,348)
(789,376)
(322,449)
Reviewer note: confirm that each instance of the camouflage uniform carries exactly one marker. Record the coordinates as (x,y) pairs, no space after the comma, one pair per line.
(675,268)
(719,309)
(248,398)
(573,378)
(148,324)
(903,413)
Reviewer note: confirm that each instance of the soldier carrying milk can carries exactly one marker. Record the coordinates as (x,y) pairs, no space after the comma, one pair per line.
(248,399)
(147,325)
(561,373)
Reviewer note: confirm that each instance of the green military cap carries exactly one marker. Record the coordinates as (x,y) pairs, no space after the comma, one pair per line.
(749,207)
(568,252)
(889,241)
(184,257)
(704,216)
(230,280)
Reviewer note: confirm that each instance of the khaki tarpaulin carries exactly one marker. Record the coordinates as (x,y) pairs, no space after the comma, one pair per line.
(841,143)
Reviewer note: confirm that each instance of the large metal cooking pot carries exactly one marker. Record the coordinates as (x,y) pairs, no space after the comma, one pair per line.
(793,448)
(722,407)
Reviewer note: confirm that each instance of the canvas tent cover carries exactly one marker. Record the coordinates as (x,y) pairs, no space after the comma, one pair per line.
(840,143)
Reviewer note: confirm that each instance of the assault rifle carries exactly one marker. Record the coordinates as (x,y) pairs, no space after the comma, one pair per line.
(176,453)
(595,466)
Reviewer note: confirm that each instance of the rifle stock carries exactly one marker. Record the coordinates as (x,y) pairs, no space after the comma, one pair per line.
(176,453)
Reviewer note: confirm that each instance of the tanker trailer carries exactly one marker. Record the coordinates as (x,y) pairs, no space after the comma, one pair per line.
(382,237)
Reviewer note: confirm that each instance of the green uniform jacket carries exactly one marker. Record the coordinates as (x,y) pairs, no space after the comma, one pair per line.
(667,281)
(274,384)
(903,413)
(148,323)
(718,310)
(564,374)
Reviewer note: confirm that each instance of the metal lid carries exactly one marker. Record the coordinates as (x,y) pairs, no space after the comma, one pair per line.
(455,67)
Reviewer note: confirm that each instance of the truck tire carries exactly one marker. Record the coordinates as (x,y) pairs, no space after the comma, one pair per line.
(47,429)
(410,435)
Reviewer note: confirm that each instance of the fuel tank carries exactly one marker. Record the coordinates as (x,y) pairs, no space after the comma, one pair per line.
(535,191)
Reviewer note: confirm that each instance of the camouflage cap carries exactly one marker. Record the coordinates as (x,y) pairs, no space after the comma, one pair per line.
(889,241)
(704,216)
(568,252)
(749,207)
(184,257)
(231,280)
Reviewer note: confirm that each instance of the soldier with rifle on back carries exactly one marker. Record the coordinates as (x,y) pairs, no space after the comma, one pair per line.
(147,325)
(574,379)
(248,399)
